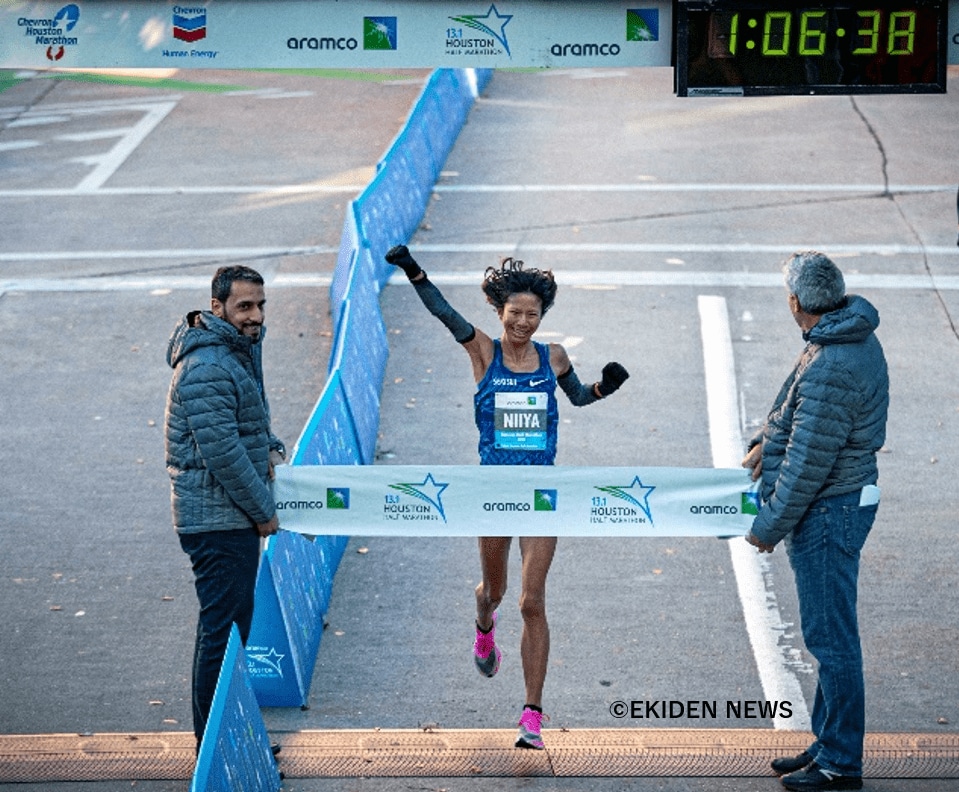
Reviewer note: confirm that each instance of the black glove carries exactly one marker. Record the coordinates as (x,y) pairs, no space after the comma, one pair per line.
(399,256)
(614,375)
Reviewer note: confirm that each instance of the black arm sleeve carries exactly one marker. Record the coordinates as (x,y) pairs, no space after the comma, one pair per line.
(437,305)
(580,395)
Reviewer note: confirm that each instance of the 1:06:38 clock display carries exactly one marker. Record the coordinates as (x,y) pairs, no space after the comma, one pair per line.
(874,46)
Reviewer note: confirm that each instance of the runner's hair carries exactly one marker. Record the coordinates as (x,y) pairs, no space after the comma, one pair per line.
(501,284)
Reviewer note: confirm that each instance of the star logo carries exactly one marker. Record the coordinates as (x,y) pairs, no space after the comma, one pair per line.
(70,13)
(636,493)
(428,490)
(272,659)
(488,24)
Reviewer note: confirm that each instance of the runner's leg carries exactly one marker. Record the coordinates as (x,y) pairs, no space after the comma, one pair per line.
(494,561)
(537,555)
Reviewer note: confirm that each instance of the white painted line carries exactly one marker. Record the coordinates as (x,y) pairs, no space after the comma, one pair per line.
(109,163)
(512,248)
(106,192)
(699,279)
(761,613)
(84,108)
(865,189)
(576,279)
(187,253)
(37,120)
(82,137)
(160,283)
(17,145)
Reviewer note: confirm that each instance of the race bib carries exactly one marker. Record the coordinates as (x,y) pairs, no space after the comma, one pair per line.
(520,420)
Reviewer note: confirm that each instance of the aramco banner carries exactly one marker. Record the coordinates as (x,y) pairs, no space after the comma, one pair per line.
(298,34)
(474,500)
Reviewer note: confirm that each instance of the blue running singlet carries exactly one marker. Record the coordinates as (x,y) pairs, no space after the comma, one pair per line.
(516,413)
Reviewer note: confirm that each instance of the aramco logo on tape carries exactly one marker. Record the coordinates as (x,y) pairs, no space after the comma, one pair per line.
(338,498)
(544,500)
(750,503)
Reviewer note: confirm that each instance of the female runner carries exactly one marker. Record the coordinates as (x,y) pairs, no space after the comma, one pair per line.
(503,367)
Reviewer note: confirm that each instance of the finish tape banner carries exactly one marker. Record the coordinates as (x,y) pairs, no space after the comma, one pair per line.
(511,500)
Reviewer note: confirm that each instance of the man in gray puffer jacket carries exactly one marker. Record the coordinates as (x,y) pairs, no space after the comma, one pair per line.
(220,455)
(816,458)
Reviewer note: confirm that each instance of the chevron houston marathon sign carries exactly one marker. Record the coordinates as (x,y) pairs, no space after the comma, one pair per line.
(335,33)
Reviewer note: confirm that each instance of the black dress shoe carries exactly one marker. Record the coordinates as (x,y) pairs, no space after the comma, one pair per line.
(814,777)
(790,764)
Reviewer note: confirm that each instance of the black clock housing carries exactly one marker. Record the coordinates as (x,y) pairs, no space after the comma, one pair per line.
(770,47)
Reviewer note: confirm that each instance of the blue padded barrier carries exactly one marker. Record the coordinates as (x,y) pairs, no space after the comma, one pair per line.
(361,361)
(293,590)
(343,427)
(235,754)
(349,247)
(331,549)
(330,437)
(391,207)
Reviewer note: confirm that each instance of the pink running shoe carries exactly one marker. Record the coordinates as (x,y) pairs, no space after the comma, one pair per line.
(530,725)
(485,653)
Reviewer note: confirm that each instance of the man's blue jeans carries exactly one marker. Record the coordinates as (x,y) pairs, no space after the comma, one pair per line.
(225,565)
(824,550)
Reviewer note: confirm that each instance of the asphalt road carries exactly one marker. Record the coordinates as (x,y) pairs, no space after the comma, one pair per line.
(96,595)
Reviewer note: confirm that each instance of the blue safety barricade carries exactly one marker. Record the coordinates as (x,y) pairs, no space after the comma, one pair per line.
(292,594)
(235,754)
(296,575)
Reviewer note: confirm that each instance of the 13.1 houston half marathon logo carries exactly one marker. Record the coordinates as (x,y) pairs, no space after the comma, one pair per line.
(622,504)
(478,34)
(53,33)
(423,501)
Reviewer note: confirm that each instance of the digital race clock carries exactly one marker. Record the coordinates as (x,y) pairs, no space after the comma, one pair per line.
(766,47)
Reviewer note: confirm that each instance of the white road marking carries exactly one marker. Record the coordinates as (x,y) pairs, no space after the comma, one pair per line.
(292,189)
(612,248)
(37,120)
(576,279)
(158,284)
(700,279)
(102,134)
(650,186)
(185,253)
(626,277)
(86,108)
(16,145)
(108,163)
(761,613)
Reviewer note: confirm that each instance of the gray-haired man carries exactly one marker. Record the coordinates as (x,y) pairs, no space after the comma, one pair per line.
(816,458)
